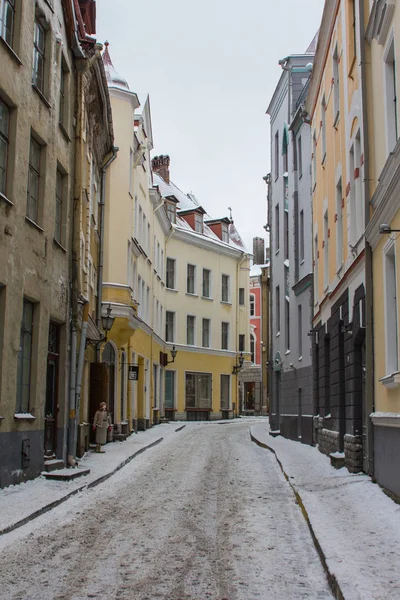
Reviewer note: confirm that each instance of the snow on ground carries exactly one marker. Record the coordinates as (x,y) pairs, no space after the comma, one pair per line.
(206,514)
(357,525)
(17,502)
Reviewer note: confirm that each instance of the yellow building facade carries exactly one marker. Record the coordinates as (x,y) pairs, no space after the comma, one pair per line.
(382,35)
(335,107)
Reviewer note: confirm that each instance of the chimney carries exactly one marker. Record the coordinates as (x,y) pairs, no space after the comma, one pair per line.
(160,165)
(258,250)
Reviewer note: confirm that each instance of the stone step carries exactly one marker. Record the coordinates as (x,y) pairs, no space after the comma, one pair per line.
(66,474)
(53,464)
(337,459)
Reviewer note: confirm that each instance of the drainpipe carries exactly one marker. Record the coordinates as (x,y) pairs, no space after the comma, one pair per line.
(237,330)
(79,372)
(75,266)
(368,451)
(101,241)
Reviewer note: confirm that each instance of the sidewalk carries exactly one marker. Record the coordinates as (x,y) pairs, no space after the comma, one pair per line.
(21,503)
(355,526)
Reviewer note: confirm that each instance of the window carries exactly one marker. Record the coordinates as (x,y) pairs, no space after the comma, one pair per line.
(224,335)
(326,250)
(225,385)
(59,207)
(287,324)
(205,333)
(356,208)
(316,261)
(198,223)
(190,283)
(241,342)
(130,172)
(277,155)
(225,288)
(277,228)
(286,235)
(171,211)
(190,330)
(278,309)
(252,305)
(63,107)
(391,97)
(300,331)
(24,358)
(4,145)
(39,57)
(7,18)
(241,296)
(299,157)
(339,225)
(198,390)
(314,160)
(391,305)
(301,226)
(170,389)
(252,348)
(351,33)
(169,326)
(225,232)
(323,128)
(32,206)
(170,273)
(206,283)
(336,86)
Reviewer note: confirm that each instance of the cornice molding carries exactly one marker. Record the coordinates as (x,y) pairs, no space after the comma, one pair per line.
(206,243)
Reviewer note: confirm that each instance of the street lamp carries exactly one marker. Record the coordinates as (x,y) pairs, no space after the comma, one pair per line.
(239,364)
(107,321)
(174,352)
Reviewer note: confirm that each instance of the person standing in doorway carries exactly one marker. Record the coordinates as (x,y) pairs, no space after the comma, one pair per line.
(101,424)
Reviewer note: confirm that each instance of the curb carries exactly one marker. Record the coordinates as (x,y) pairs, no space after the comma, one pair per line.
(90,485)
(333,582)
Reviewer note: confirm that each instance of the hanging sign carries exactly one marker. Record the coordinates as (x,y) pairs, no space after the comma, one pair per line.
(133,374)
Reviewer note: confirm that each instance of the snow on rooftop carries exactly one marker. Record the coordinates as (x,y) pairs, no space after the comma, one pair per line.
(190,202)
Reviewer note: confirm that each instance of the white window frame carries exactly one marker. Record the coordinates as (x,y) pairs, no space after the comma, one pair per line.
(391,308)
(225,332)
(206,331)
(225,288)
(170,323)
(390,94)
(191,277)
(190,330)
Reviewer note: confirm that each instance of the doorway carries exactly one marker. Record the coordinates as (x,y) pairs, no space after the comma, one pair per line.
(51,405)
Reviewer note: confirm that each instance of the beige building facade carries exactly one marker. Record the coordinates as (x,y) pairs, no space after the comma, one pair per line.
(382,35)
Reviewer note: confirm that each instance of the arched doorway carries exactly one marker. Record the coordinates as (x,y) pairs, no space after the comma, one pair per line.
(110,359)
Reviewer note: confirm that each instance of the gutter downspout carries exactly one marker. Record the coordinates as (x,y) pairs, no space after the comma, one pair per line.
(101,242)
(368,432)
(237,334)
(75,274)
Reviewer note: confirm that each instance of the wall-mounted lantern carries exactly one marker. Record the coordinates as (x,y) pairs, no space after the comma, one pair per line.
(107,321)
(239,364)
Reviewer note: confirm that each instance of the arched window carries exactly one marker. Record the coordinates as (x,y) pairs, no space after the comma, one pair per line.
(252,305)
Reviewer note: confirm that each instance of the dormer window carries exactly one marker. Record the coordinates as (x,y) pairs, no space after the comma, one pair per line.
(171,211)
(225,232)
(198,223)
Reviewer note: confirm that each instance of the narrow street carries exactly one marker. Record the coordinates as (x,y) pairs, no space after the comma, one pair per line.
(206,514)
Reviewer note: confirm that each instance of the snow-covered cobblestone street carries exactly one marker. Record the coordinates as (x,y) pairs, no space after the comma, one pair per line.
(206,514)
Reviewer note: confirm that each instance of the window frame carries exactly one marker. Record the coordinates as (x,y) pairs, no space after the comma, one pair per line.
(170,326)
(208,282)
(5,138)
(241,297)
(391,316)
(23,405)
(225,288)
(252,304)
(171,273)
(190,330)
(34,172)
(225,388)
(224,335)
(39,57)
(11,5)
(206,333)
(191,279)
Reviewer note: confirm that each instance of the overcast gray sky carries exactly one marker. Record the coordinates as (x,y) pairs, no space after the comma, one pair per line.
(210,68)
